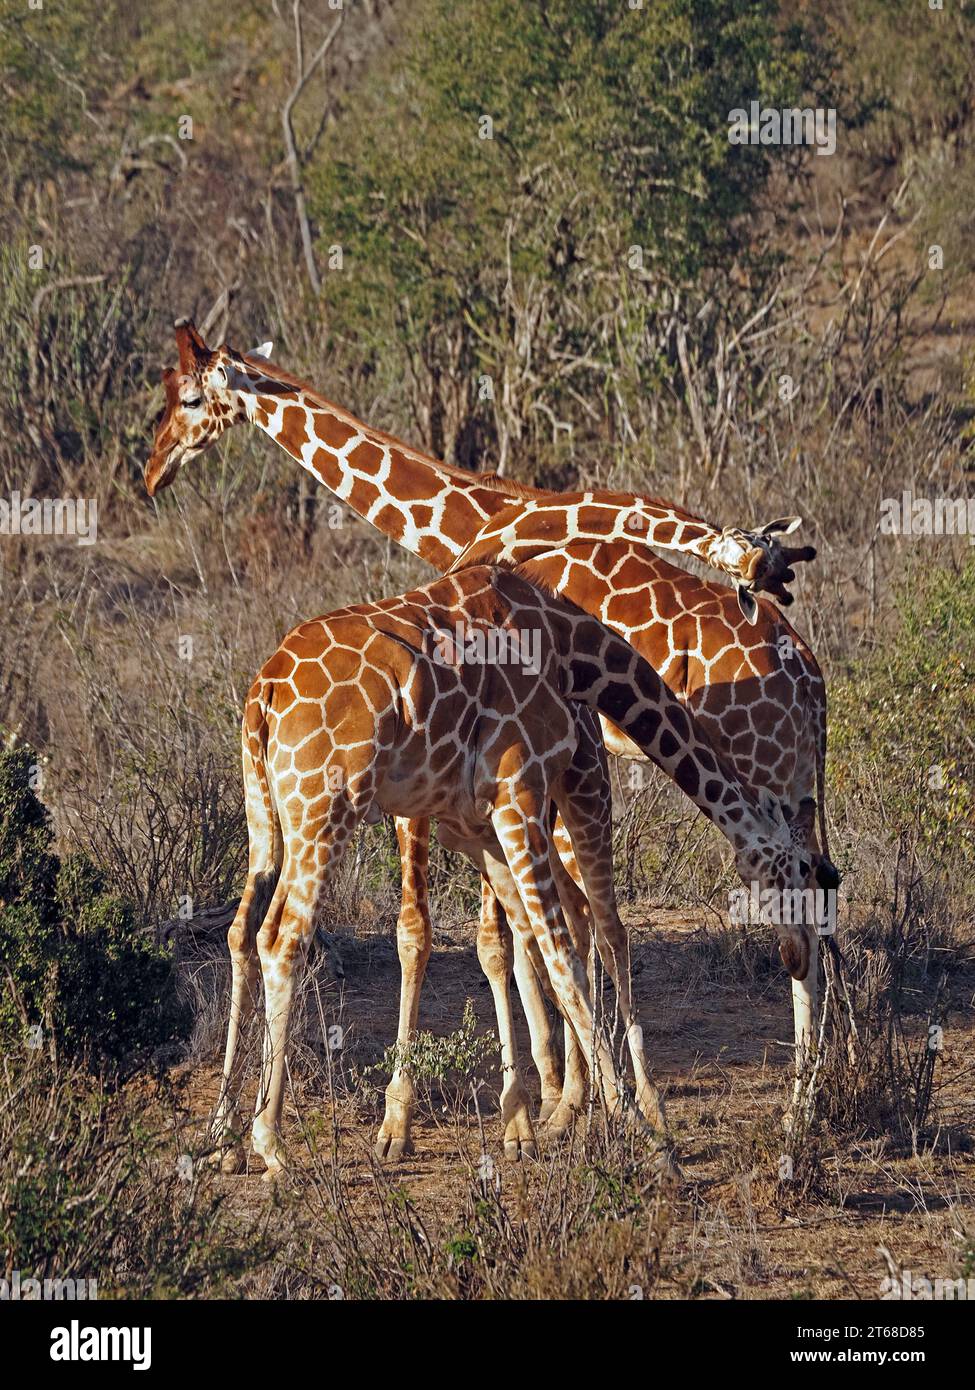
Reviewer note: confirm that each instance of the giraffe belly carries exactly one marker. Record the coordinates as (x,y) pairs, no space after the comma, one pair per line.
(429,785)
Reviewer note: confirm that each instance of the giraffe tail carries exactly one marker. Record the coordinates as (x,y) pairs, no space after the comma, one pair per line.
(828,874)
(263,820)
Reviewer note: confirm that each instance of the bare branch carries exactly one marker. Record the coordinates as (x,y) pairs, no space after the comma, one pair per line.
(291,148)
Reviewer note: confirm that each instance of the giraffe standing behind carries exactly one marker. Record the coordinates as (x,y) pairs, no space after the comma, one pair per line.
(359,712)
(431,509)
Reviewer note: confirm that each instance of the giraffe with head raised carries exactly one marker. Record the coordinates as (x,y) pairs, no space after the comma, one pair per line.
(367,711)
(443,514)
(431,509)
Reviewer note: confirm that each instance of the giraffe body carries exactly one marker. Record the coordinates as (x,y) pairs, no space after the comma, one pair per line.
(766,721)
(360,709)
(754,688)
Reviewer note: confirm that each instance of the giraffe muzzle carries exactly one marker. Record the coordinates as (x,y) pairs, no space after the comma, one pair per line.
(160,474)
(794,952)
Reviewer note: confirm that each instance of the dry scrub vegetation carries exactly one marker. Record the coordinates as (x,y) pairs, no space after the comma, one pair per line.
(782,345)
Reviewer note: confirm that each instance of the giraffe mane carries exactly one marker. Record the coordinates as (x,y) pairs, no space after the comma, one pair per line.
(270,372)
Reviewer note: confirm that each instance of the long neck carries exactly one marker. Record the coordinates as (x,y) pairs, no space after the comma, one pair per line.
(429,508)
(604,672)
(525,531)
(438,512)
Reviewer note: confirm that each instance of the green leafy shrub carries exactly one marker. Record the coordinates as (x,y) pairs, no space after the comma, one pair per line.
(454,1058)
(551,251)
(75,968)
(901,720)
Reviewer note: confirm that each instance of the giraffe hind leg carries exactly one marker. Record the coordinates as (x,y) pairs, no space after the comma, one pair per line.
(282,944)
(264,853)
(226,1128)
(413,943)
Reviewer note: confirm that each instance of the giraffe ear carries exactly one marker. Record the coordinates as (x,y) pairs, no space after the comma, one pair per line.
(747,604)
(783,527)
(193,351)
(262,350)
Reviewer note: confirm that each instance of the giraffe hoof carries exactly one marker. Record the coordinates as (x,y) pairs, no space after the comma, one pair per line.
(666,1167)
(393,1148)
(275,1173)
(517,1149)
(226,1158)
(560,1122)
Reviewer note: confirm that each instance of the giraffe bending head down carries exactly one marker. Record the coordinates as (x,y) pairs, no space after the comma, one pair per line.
(371,709)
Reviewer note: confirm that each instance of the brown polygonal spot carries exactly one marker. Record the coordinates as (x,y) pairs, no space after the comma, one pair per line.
(331,430)
(366,456)
(293,434)
(391,521)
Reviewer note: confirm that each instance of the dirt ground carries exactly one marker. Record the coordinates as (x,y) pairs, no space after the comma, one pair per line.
(720,1047)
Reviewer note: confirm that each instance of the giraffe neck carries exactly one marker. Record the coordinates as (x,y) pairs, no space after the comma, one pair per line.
(663,728)
(527,530)
(429,508)
(436,511)
(603,671)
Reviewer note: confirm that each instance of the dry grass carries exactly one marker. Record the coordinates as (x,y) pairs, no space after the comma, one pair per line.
(138,734)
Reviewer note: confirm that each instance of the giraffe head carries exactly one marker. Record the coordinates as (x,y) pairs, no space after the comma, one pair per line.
(793,881)
(766,564)
(200,404)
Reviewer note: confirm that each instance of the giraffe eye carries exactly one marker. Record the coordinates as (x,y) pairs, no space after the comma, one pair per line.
(803,868)
(192,401)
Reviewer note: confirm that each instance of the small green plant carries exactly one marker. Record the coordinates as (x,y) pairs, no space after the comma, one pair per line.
(443,1061)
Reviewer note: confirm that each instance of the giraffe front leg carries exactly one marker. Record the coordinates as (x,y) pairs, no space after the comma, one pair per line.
(413,944)
(523,832)
(575,1086)
(805,1013)
(495,954)
(584,805)
(531,980)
